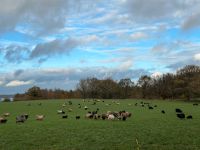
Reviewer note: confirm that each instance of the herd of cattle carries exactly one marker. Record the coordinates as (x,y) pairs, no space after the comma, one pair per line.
(109,115)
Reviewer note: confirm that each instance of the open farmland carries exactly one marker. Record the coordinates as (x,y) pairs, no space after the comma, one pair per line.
(145,129)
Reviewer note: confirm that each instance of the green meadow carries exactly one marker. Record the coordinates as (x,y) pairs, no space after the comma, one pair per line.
(144,130)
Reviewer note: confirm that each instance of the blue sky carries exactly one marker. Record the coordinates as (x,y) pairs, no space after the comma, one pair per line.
(55,43)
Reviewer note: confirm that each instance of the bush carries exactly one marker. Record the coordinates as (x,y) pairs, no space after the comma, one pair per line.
(6,100)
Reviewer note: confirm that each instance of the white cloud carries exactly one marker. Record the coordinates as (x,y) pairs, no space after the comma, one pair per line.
(90,39)
(126,65)
(18,83)
(138,36)
(38,16)
(197,57)
(155,9)
(1,82)
(107,17)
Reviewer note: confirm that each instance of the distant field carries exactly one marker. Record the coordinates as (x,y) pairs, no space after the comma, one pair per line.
(152,129)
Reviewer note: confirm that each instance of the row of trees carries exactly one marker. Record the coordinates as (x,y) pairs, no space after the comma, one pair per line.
(36,93)
(184,84)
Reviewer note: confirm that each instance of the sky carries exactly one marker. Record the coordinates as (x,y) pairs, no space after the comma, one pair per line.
(55,43)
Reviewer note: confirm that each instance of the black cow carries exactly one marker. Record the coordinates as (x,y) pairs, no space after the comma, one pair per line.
(3,120)
(150,107)
(189,117)
(163,112)
(64,117)
(78,117)
(181,115)
(178,110)
(195,104)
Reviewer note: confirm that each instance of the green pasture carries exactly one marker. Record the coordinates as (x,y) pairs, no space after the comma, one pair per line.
(145,130)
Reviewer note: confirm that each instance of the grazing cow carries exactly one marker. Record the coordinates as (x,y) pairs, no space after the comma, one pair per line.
(189,117)
(21,118)
(85,107)
(111,117)
(103,116)
(78,117)
(196,104)
(181,115)
(155,105)
(178,110)
(103,101)
(163,112)
(64,117)
(116,114)
(125,114)
(60,112)
(3,120)
(6,114)
(89,115)
(40,117)
(150,107)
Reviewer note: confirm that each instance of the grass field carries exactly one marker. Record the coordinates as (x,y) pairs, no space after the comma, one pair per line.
(152,129)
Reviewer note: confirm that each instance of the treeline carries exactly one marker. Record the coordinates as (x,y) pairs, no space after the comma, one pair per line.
(36,93)
(184,84)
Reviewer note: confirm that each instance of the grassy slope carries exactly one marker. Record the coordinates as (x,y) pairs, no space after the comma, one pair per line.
(152,129)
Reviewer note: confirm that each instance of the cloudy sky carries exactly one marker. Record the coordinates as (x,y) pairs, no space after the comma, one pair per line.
(54,43)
